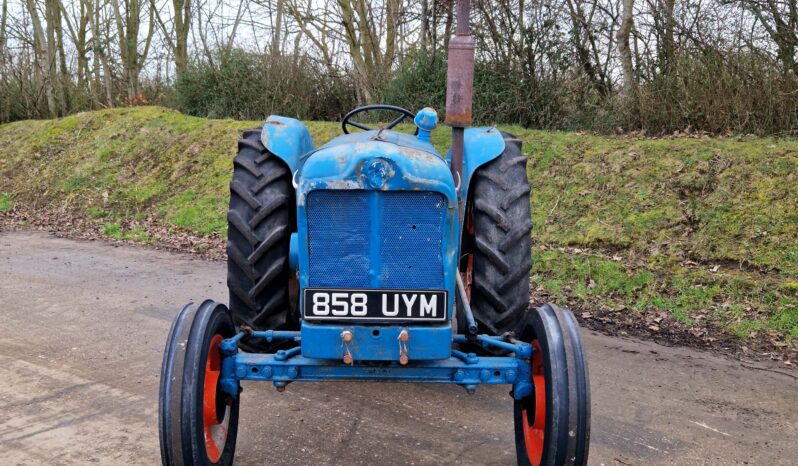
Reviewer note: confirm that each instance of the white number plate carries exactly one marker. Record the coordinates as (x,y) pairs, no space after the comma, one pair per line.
(374,305)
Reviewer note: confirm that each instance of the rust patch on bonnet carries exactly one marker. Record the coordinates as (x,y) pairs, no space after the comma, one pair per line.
(415,154)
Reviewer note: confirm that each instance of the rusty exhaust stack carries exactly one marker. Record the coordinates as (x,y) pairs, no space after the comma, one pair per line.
(460,88)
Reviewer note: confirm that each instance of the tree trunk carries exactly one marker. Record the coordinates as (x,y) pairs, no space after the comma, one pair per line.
(449,22)
(277,28)
(781,27)
(52,22)
(43,59)
(583,37)
(65,77)
(627,22)
(5,111)
(667,53)
(425,25)
(101,52)
(182,9)
(80,47)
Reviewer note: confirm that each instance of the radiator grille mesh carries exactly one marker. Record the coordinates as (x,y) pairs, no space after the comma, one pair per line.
(375,239)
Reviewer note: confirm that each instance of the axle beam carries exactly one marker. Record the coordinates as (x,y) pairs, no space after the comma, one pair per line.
(465,369)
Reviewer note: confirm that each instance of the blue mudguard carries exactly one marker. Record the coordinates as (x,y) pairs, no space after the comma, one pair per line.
(287,138)
(481,145)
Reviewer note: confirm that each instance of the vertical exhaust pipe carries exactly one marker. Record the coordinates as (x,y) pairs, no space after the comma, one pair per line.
(460,89)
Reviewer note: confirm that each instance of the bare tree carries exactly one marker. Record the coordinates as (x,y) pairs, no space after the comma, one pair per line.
(780,20)
(369,30)
(586,44)
(4,84)
(278,26)
(100,46)
(177,36)
(624,50)
(44,70)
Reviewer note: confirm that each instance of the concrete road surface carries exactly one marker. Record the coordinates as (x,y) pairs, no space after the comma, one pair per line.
(84,324)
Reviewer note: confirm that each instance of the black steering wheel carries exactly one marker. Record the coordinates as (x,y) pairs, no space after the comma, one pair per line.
(404,114)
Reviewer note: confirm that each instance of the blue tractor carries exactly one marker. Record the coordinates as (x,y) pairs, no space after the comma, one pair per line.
(375,258)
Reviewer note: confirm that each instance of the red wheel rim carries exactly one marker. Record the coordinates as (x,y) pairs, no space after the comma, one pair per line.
(214,427)
(534,430)
(468,273)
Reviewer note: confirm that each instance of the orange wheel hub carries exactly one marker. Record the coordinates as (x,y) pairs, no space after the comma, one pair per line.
(534,429)
(215,426)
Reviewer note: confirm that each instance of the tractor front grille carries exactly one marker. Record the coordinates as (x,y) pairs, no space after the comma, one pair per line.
(376,239)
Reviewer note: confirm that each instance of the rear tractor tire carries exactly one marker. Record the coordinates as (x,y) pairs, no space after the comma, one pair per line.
(259,225)
(497,243)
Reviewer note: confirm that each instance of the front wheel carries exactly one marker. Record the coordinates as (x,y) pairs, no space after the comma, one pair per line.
(552,425)
(198,422)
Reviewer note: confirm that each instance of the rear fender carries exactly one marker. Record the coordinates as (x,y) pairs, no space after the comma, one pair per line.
(287,138)
(481,145)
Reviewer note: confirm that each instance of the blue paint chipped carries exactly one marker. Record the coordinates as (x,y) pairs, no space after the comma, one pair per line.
(376,343)
(426,120)
(287,138)
(364,220)
(481,145)
(345,142)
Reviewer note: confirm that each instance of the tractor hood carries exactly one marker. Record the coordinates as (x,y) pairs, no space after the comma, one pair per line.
(376,160)
(377,211)
(391,137)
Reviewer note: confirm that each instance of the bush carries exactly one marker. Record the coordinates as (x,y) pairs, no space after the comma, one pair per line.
(741,92)
(501,94)
(250,86)
(419,82)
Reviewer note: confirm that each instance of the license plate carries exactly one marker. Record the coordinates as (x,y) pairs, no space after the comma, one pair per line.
(374,305)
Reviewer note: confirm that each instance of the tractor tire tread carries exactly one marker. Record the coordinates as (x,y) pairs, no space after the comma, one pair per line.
(251,143)
(493,212)
(276,235)
(259,226)
(502,241)
(269,178)
(514,194)
(271,273)
(248,165)
(496,178)
(515,234)
(518,160)
(492,255)
(267,209)
(252,133)
(234,219)
(244,194)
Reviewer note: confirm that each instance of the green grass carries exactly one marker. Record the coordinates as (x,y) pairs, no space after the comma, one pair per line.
(195,213)
(117,232)
(702,230)
(6,202)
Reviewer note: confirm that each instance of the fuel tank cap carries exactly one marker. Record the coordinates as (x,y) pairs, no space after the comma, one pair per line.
(426,120)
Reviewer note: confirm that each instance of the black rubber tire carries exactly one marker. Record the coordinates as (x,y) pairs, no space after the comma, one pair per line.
(566,438)
(180,401)
(502,242)
(581,394)
(259,225)
(170,394)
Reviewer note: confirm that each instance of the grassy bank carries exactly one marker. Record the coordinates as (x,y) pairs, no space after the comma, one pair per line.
(694,234)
